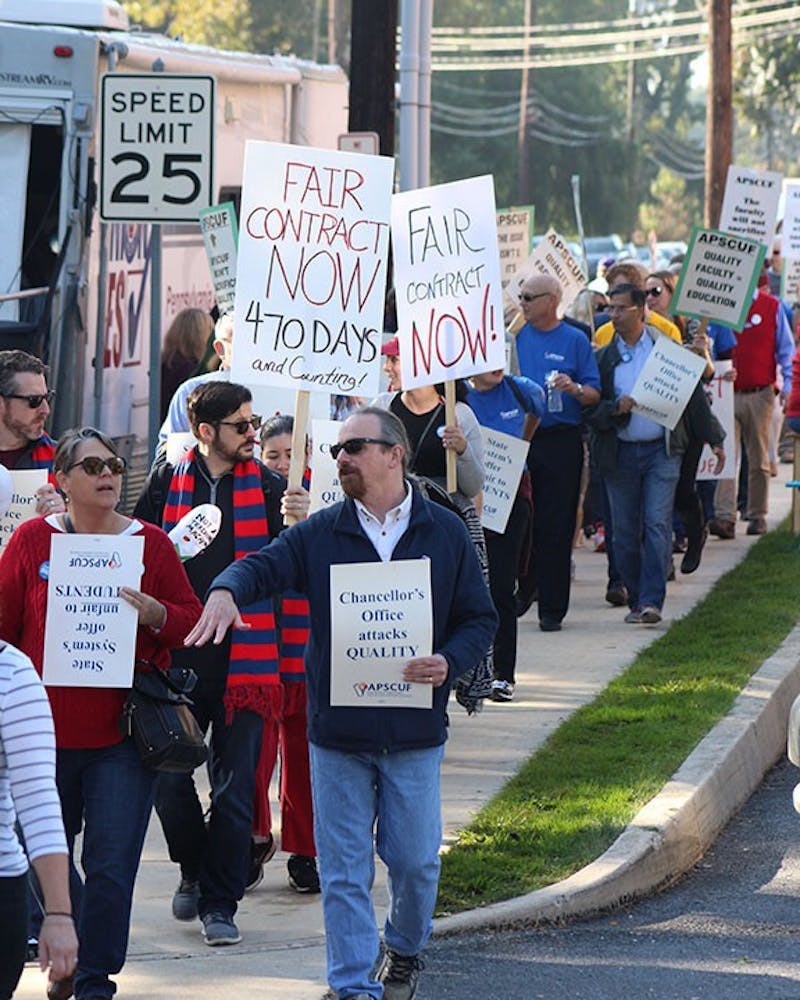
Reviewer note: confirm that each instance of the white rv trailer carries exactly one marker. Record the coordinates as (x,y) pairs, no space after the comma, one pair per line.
(53,54)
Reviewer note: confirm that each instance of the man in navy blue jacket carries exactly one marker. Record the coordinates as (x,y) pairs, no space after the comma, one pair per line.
(373,768)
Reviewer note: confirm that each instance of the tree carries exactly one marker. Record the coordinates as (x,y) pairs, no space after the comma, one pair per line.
(672,210)
(200,21)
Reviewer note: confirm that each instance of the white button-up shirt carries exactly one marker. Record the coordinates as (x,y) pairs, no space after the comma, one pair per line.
(386,534)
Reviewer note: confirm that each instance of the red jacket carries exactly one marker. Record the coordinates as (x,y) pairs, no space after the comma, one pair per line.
(754,353)
(86,718)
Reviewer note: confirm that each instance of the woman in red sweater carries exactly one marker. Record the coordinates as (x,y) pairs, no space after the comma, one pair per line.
(103,786)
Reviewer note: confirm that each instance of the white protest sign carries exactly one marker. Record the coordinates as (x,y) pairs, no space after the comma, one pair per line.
(311,271)
(718,277)
(325,487)
(514,226)
(447,282)
(22,507)
(666,381)
(504,458)
(90,631)
(552,256)
(220,236)
(381,617)
(790,280)
(196,530)
(750,203)
(790,231)
(720,396)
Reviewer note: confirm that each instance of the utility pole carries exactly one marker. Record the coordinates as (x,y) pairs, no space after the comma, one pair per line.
(524,187)
(719,108)
(373,33)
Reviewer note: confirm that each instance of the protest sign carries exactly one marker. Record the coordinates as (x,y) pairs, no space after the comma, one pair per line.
(196,530)
(22,507)
(790,280)
(718,277)
(720,397)
(381,617)
(790,231)
(325,487)
(447,282)
(311,270)
(218,226)
(514,231)
(90,631)
(750,203)
(504,458)
(666,381)
(552,256)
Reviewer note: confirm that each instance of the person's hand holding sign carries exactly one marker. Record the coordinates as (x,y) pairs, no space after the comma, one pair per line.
(49,501)
(295,503)
(625,404)
(152,613)
(427,670)
(453,437)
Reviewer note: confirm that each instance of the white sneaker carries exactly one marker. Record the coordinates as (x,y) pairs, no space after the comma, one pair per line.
(502,691)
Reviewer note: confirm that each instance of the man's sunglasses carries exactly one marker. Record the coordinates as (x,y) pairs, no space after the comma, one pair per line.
(242,426)
(527,297)
(93,465)
(654,292)
(34,401)
(356,445)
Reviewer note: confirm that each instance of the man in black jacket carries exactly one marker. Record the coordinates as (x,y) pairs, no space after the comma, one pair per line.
(234,694)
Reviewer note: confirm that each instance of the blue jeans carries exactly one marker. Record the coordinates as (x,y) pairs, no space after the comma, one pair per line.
(218,857)
(396,797)
(110,793)
(641,491)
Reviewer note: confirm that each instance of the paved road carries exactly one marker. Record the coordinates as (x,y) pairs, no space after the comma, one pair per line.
(728,931)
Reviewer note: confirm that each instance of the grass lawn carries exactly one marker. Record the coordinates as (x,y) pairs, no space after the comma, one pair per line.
(574,797)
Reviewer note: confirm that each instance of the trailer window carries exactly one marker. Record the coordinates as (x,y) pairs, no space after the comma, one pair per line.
(40,240)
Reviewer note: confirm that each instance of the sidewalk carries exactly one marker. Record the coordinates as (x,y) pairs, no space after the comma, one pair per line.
(282,953)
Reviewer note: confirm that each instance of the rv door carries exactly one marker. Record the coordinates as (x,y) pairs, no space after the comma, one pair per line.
(31,153)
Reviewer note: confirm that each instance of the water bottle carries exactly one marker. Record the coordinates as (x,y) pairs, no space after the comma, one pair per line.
(555,399)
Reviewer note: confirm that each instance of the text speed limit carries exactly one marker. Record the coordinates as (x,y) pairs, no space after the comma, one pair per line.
(157,147)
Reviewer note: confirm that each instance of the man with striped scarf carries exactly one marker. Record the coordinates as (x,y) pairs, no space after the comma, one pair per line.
(238,681)
(24,409)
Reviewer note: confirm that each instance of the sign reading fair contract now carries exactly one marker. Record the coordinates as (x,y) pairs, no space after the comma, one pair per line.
(90,631)
(718,277)
(381,617)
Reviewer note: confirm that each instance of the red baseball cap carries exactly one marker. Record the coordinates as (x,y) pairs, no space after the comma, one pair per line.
(391,349)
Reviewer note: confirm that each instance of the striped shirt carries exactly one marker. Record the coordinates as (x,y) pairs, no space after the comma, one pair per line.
(27,767)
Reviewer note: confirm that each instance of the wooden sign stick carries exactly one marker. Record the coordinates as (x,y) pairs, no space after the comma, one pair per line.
(450,420)
(298,461)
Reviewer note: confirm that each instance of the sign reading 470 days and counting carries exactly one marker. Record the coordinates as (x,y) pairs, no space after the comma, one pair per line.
(157,160)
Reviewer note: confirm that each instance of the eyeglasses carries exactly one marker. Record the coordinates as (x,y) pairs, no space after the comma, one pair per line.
(93,465)
(242,426)
(654,292)
(611,309)
(33,401)
(356,445)
(527,297)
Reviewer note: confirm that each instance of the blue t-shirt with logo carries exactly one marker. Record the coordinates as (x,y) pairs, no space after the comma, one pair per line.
(563,349)
(499,409)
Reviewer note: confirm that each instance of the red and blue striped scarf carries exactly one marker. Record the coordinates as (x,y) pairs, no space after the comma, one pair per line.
(42,454)
(253,671)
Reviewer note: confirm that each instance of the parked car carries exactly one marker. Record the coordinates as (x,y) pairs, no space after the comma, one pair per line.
(599,247)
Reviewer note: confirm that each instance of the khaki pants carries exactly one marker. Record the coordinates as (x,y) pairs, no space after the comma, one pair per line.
(753,418)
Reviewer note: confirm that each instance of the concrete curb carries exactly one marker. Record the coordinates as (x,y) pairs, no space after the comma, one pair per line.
(673,831)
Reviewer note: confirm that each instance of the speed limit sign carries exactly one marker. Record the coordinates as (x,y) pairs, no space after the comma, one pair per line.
(157,134)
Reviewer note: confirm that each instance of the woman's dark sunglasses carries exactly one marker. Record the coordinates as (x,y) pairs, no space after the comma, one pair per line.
(356,445)
(93,465)
(34,401)
(242,426)
(654,292)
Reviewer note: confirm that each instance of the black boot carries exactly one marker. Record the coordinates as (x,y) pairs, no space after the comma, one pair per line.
(696,535)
